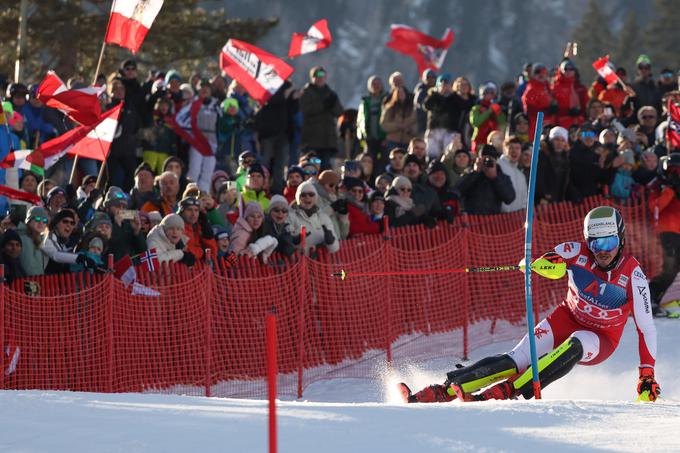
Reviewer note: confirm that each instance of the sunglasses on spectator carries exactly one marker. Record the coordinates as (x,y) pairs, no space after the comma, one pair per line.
(588,134)
(39,219)
(311,172)
(307,194)
(648,117)
(280,210)
(315,160)
(667,75)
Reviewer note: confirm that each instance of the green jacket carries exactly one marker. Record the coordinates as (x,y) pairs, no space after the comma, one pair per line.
(248,195)
(363,118)
(32,259)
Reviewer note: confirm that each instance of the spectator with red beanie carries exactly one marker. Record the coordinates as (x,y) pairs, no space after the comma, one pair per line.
(537,97)
(571,96)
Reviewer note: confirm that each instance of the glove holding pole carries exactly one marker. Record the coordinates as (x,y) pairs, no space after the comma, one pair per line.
(648,389)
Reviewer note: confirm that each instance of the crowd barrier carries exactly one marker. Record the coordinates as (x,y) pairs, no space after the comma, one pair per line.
(204,334)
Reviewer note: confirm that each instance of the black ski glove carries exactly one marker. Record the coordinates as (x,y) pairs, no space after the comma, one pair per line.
(188,258)
(340,206)
(429,221)
(86,261)
(328,236)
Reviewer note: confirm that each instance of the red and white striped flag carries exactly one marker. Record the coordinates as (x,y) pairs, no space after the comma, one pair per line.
(318,37)
(428,52)
(81,105)
(259,72)
(606,70)
(14,194)
(25,159)
(673,129)
(130,21)
(97,142)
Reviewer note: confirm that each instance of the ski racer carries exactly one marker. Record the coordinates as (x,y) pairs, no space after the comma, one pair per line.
(605,285)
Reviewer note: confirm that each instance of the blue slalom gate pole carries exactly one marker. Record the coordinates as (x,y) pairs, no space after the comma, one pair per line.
(527,255)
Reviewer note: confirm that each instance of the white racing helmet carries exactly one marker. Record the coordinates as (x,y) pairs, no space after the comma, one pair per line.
(603,229)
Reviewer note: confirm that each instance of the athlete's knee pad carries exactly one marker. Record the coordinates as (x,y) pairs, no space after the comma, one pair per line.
(551,366)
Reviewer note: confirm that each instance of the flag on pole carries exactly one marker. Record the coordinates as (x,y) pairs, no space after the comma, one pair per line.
(317,37)
(606,70)
(150,259)
(259,72)
(97,141)
(81,105)
(428,52)
(185,124)
(130,21)
(124,270)
(15,194)
(673,129)
(25,159)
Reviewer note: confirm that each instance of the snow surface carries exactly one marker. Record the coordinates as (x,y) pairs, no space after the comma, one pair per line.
(591,409)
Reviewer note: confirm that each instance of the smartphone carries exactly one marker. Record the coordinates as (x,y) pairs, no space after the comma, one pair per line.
(128,214)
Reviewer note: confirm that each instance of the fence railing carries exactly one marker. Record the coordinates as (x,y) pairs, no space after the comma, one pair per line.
(204,334)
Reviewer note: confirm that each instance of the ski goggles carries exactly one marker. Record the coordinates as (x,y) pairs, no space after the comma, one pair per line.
(605,244)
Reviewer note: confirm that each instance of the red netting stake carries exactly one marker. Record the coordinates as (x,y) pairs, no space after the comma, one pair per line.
(109,324)
(208,326)
(2,326)
(388,296)
(271,378)
(466,295)
(303,288)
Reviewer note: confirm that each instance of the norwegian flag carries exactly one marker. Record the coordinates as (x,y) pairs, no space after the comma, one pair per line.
(81,105)
(130,21)
(673,129)
(317,37)
(150,258)
(428,52)
(605,69)
(259,72)
(124,270)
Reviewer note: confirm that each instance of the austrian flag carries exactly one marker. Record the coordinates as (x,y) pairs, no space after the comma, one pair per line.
(318,37)
(130,22)
(673,130)
(81,105)
(428,52)
(259,72)
(605,69)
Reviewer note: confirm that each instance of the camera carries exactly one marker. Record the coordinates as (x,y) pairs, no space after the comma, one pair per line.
(489,162)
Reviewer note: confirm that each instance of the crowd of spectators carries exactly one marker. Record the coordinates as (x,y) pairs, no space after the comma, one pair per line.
(305,160)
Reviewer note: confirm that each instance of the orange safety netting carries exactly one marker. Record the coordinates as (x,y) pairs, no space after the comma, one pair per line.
(205,333)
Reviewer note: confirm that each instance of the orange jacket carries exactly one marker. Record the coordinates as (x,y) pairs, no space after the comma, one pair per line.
(197,243)
(615,97)
(665,208)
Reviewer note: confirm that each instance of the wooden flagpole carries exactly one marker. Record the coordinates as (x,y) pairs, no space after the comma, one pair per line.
(94,80)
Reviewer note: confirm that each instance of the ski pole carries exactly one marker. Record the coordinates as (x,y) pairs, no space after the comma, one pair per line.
(551,269)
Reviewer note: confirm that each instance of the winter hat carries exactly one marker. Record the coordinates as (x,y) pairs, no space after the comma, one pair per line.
(96,242)
(89,179)
(219,174)
(603,135)
(170,160)
(54,191)
(436,166)
(488,150)
(155,217)
(401,181)
(462,151)
(376,195)
(172,75)
(351,165)
(128,62)
(172,221)
(278,201)
(307,186)
(61,215)
(349,183)
(315,70)
(10,235)
(115,196)
(252,207)
(384,176)
(444,78)
(143,167)
(188,201)
(228,103)
(245,155)
(16,116)
(558,131)
(427,73)
(99,218)
(329,177)
(411,159)
(220,232)
(187,91)
(487,86)
(643,60)
(256,168)
(296,169)
(35,212)
(370,81)
(566,65)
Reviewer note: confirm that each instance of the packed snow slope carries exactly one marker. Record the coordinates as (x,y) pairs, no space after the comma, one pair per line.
(592,409)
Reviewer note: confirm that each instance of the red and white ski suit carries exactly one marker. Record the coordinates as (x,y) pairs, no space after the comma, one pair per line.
(596,310)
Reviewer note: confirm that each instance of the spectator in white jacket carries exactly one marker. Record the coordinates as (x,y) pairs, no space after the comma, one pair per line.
(509,163)
(169,240)
(305,213)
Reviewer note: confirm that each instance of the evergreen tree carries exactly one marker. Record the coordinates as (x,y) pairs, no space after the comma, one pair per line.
(594,39)
(628,47)
(66,35)
(663,35)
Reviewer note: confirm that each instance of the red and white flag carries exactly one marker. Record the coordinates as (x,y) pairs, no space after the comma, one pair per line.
(428,52)
(185,124)
(130,21)
(606,70)
(81,105)
(673,129)
(124,270)
(259,72)
(14,194)
(317,37)
(150,259)
(97,141)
